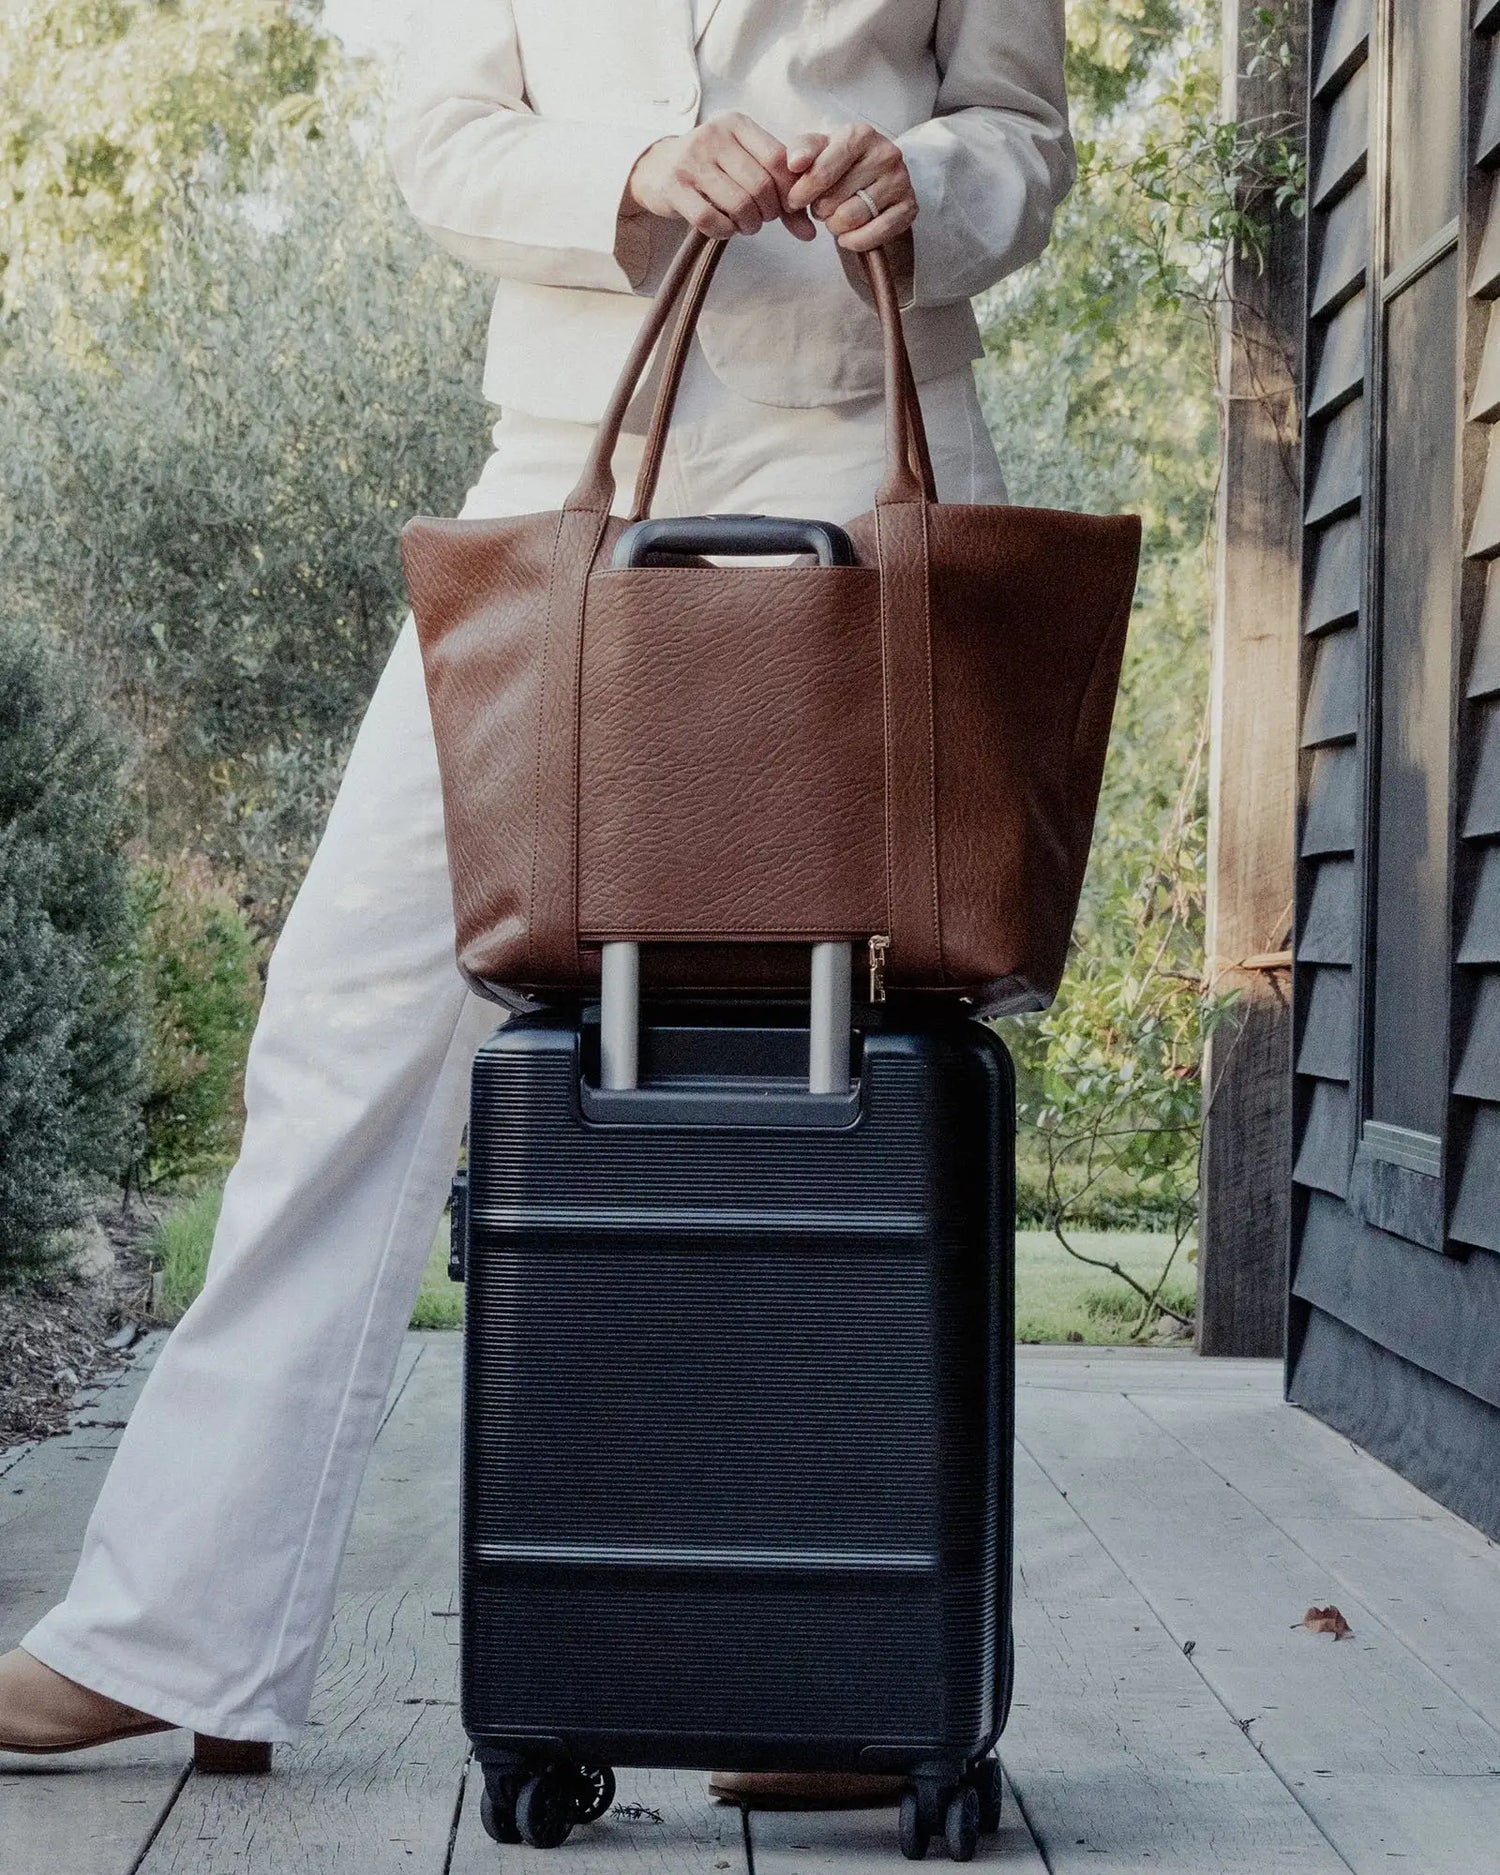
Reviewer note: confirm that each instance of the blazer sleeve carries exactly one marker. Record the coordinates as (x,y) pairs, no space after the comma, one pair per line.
(994,160)
(516,194)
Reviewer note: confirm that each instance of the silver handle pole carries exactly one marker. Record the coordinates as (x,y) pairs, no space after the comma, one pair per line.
(832,1019)
(620,1015)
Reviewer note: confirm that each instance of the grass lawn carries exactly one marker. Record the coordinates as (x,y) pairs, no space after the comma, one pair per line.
(1057,1297)
(1060,1299)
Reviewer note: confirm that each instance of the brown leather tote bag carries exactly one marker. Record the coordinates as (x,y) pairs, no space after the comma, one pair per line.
(731,762)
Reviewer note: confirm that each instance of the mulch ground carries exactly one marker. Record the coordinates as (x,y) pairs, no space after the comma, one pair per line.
(66,1332)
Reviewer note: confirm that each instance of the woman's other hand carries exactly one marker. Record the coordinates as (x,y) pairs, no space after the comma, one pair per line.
(855,182)
(726,176)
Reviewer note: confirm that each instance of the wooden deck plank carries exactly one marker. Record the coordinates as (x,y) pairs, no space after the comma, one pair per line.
(661,1821)
(860,1842)
(1215,1570)
(1218,1572)
(12,1456)
(1292,1465)
(1420,1823)
(57,1466)
(48,1498)
(1432,1579)
(93,1815)
(1122,1757)
(1197,1508)
(1432,1593)
(407,1516)
(94,1812)
(373,1785)
(1015,1839)
(1154,1370)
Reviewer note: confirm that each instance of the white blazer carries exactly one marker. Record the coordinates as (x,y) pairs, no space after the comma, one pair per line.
(516,123)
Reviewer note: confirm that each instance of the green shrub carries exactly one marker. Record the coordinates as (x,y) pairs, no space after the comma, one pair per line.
(70,1031)
(1123,313)
(282,393)
(202,990)
(1117,1199)
(39,1192)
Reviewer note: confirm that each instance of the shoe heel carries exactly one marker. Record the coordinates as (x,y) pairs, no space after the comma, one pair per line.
(230,1757)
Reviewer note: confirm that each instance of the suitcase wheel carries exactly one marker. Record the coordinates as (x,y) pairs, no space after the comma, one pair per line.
(544,1808)
(985,1778)
(961,1824)
(959,1813)
(912,1828)
(595,1791)
(497,1810)
(547,1809)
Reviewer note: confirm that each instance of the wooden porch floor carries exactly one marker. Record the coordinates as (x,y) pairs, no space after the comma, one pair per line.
(1174,1521)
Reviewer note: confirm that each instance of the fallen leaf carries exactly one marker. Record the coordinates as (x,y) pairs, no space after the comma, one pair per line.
(1325,1621)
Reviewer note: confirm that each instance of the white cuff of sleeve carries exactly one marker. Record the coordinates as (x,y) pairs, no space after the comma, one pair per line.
(565,185)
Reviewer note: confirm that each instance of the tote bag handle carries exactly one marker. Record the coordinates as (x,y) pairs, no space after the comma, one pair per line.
(684,288)
(913,922)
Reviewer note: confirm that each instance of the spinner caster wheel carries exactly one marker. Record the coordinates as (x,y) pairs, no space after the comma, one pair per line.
(596,1791)
(546,1809)
(497,1811)
(912,1829)
(961,1824)
(986,1779)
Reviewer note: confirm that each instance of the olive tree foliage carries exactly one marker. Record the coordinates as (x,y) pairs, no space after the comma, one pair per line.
(108,108)
(207,500)
(1101,386)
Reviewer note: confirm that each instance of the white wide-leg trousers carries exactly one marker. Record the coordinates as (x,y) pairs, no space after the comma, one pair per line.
(206,1583)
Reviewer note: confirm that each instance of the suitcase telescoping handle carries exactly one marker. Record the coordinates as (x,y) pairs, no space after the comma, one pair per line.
(830,1018)
(676,538)
(673,539)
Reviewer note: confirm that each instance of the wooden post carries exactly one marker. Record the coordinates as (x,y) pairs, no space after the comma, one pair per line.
(1244,1224)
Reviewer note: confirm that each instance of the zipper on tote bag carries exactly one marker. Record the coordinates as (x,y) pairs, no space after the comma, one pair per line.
(879,951)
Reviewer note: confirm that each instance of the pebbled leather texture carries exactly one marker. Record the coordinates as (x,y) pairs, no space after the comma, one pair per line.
(730,762)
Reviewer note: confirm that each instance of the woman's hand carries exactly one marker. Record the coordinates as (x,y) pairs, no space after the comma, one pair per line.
(727,176)
(834,176)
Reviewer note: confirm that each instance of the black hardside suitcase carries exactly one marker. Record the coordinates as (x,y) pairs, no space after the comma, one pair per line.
(738,1410)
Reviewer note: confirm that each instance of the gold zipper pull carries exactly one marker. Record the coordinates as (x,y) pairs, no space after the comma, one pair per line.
(879,951)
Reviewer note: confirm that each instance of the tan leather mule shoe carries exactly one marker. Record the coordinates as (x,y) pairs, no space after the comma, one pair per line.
(41,1712)
(804,1790)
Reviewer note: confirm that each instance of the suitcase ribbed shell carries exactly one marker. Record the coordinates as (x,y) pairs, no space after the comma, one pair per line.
(737,1416)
